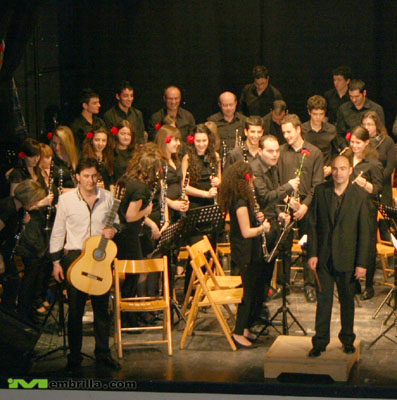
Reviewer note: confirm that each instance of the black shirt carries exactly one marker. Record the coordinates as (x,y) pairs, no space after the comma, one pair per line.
(253,104)
(64,174)
(121,160)
(80,127)
(323,139)
(273,128)
(11,218)
(238,154)
(372,171)
(334,102)
(19,174)
(203,184)
(115,114)
(244,251)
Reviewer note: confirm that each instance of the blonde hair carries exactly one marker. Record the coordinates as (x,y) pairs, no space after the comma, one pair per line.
(28,192)
(213,127)
(46,151)
(65,134)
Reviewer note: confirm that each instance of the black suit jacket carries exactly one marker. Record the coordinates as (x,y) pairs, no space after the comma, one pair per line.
(346,238)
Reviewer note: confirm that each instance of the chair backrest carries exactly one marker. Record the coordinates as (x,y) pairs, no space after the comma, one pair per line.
(140,266)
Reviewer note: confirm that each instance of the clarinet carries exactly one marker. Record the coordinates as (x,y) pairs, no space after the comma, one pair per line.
(245,152)
(17,236)
(60,182)
(224,154)
(49,208)
(152,194)
(184,186)
(213,175)
(263,234)
(163,196)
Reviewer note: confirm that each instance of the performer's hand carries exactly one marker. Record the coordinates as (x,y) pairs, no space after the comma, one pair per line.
(301,212)
(164,227)
(312,263)
(155,232)
(266,226)
(284,218)
(148,210)
(100,183)
(260,216)
(294,183)
(327,170)
(360,272)
(212,192)
(294,204)
(109,233)
(26,218)
(180,205)
(215,181)
(57,271)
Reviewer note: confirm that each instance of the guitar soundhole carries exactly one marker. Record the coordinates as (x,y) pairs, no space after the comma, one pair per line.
(99,255)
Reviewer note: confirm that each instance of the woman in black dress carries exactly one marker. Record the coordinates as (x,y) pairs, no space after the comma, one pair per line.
(202,162)
(236,197)
(384,145)
(99,146)
(368,174)
(124,135)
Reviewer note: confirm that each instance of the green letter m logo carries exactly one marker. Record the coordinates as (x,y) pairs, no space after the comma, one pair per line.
(16,383)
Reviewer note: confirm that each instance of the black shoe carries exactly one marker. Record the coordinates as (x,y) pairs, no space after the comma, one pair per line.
(108,361)
(315,352)
(349,349)
(367,294)
(310,295)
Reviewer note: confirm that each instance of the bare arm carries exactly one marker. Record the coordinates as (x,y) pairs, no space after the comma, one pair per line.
(245,225)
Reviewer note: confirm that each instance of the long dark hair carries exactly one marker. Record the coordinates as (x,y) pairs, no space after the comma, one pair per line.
(235,185)
(362,133)
(209,155)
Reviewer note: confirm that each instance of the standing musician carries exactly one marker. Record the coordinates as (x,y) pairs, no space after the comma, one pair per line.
(236,197)
(13,218)
(312,174)
(367,174)
(339,242)
(200,160)
(270,194)
(82,213)
(249,151)
(65,157)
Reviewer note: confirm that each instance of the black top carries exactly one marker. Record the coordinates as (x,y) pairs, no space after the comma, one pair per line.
(185,122)
(115,114)
(80,127)
(238,154)
(11,218)
(244,251)
(64,174)
(227,130)
(121,160)
(323,139)
(372,171)
(203,184)
(334,102)
(273,128)
(174,182)
(105,175)
(19,174)
(253,104)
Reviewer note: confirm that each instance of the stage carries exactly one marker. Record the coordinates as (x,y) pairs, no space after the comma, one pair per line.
(207,364)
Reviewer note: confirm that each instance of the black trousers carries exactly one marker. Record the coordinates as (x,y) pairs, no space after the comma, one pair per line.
(10,283)
(77,300)
(345,283)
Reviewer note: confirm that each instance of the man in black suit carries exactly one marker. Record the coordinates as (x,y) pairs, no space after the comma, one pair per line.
(338,243)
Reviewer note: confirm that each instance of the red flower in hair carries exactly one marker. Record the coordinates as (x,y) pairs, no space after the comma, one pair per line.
(247,177)
(114,130)
(158,126)
(22,155)
(190,139)
(90,135)
(348,136)
(305,152)
(168,139)
(50,135)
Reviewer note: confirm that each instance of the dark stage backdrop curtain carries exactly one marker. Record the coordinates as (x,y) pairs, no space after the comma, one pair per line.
(17,20)
(208,46)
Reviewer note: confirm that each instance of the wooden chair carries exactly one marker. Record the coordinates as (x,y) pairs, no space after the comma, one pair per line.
(214,268)
(141,304)
(385,250)
(205,295)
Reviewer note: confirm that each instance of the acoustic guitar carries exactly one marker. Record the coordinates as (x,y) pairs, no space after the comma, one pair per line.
(91,272)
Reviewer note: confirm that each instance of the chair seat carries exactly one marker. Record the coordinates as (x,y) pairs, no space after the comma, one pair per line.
(384,249)
(224,296)
(225,281)
(143,305)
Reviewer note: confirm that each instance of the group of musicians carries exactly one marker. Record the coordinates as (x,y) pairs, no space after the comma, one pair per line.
(58,199)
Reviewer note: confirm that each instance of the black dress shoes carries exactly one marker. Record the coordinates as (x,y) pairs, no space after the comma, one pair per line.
(310,295)
(367,294)
(315,352)
(349,349)
(107,360)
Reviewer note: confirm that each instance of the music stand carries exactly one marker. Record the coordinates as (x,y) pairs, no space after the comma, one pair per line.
(284,309)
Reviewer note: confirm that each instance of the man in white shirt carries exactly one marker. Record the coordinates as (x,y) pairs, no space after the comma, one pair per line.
(82,213)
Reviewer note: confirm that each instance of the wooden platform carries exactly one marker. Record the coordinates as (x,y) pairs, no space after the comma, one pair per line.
(288,354)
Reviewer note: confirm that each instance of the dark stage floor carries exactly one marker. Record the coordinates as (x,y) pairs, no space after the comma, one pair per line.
(207,364)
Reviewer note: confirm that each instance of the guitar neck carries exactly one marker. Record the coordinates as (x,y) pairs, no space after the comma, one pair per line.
(109,223)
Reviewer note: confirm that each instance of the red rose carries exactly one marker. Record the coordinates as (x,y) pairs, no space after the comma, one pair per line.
(348,136)
(50,135)
(158,126)
(305,152)
(190,139)
(114,130)
(1,48)
(90,135)
(247,177)
(22,155)
(168,139)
